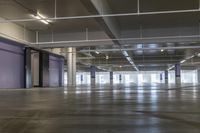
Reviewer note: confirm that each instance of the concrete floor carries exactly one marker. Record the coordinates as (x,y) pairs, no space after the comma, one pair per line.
(103,109)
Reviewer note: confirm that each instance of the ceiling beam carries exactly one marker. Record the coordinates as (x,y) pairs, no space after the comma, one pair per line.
(109,24)
(102,15)
(136,49)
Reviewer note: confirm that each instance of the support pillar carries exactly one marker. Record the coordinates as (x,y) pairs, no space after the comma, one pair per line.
(111,78)
(27,76)
(120,78)
(61,73)
(93,75)
(198,76)
(71,66)
(43,69)
(166,77)
(161,78)
(177,74)
(81,79)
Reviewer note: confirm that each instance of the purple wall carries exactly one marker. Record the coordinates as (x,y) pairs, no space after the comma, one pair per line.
(55,72)
(11,66)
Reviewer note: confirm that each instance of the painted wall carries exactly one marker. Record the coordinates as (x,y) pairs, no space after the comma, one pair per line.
(11,66)
(16,33)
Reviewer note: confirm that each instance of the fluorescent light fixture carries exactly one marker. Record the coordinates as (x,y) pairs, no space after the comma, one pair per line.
(131,62)
(97,52)
(125,53)
(45,22)
(190,57)
(129,59)
(193,56)
(136,69)
(171,68)
(183,61)
(41,18)
(107,57)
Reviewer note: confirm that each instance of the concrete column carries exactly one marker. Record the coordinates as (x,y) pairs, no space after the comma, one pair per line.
(166,77)
(120,78)
(28,76)
(111,78)
(161,78)
(198,76)
(81,79)
(93,75)
(71,66)
(177,73)
(43,69)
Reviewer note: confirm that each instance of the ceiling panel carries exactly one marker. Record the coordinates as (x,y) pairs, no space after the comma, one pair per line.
(167,5)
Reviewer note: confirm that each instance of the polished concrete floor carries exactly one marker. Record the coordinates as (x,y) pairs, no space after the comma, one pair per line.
(101,109)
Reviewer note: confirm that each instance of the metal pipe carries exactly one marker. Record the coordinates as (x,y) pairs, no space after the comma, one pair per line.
(119,39)
(136,49)
(101,15)
(55,9)
(138,6)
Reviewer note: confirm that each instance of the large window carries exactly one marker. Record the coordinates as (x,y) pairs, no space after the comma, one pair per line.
(187,76)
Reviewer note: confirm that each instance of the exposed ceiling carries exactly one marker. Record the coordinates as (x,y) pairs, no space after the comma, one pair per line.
(150,35)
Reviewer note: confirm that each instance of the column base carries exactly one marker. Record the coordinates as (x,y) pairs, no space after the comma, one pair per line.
(166,81)
(178,80)
(93,82)
(111,82)
(71,85)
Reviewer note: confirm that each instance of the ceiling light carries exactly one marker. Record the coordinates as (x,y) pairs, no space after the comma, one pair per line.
(97,52)
(41,18)
(190,57)
(125,53)
(120,66)
(129,59)
(183,61)
(107,57)
(171,68)
(162,50)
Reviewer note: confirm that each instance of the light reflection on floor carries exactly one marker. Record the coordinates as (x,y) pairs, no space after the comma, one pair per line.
(119,108)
